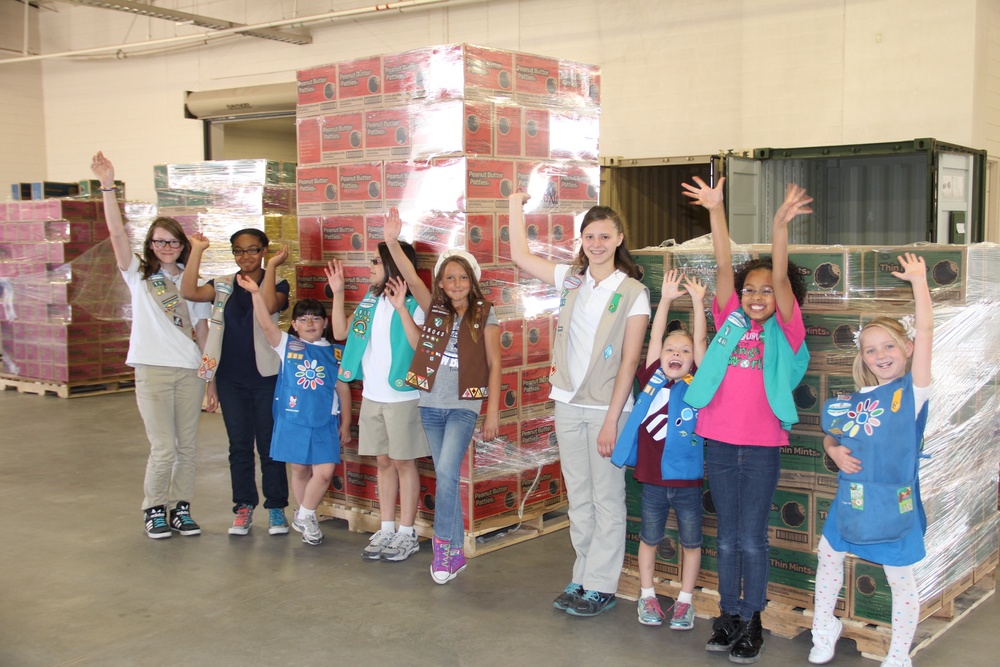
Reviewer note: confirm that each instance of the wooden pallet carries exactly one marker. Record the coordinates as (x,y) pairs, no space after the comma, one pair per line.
(68,389)
(361,520)
(787,620)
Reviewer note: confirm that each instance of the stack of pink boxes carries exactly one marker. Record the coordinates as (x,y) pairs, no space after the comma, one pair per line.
(446,134)
(62,318)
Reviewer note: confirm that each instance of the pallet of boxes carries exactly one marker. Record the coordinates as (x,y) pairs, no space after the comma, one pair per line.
(848,286)
(446,134)
(218,198)
(63,306)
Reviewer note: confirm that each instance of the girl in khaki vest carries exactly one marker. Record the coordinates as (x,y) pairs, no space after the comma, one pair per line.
(603,314)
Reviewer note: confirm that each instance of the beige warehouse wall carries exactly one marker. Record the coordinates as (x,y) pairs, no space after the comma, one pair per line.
(678,77)
(22,121)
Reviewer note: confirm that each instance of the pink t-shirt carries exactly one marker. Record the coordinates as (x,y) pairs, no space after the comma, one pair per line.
(739,413)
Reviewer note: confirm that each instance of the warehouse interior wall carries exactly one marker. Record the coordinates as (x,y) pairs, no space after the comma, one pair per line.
(678,78)
(22,107)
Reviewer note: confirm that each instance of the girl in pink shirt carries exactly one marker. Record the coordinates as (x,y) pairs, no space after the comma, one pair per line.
(746,409)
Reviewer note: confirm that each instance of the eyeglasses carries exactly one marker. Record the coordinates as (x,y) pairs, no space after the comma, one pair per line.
(163,243)
(764,291)
(309,319)
(375,261)
(253,252)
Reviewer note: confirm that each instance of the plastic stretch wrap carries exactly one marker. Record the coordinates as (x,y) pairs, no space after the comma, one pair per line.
(446,134)
(848,286)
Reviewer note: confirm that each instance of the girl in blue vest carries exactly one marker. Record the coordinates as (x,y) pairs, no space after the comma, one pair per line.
(312,410)
(875,436)
(456,366)
(744,390)
(379,353)
(603,314)
(659,439)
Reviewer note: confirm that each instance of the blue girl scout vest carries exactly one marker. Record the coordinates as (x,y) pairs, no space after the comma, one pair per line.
(881,503)
(305,392)
(683,450)
(359,335)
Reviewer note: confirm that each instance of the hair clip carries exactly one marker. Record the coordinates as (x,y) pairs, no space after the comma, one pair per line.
(857,337)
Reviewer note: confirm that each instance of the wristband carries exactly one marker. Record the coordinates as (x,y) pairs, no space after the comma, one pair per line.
(107,189)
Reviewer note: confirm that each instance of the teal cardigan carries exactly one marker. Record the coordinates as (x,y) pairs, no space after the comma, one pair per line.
(783,368)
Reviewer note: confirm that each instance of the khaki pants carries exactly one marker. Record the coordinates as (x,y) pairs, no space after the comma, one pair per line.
(596,492)
(169,401)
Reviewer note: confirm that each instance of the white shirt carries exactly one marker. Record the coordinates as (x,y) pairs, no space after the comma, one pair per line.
(154,339)
(376,361)
(590,305)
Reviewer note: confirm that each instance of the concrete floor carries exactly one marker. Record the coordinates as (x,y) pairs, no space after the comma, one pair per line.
(83,585)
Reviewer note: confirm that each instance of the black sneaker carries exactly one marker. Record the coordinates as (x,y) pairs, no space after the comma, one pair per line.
(156,522)
(749,641)
(181,521)
(568,597)
(724,629)
(592,603)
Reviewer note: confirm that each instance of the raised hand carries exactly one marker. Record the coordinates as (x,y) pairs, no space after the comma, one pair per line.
(519,198)
(103,169)
(796,203)
(395,291)
(199,241)
(914,269)
(702,195)
(695,288)
(247,284)
(671,287)
(279,257)
(393,226)
(334,271)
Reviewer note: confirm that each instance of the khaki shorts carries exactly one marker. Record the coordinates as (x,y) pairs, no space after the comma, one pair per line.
(393,429)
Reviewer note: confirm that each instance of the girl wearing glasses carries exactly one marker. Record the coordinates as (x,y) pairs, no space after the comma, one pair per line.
(241,370)
(168,334)
(312,410)
(744,389)
(379,353)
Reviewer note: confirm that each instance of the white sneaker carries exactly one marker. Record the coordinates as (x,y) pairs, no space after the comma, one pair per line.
(825,643)
(401,547)
(311,534)
(892,662)
(376,543)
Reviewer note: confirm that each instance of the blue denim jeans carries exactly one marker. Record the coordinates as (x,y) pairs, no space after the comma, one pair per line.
(246,411)
(742,479)
(449,432)
(656,503)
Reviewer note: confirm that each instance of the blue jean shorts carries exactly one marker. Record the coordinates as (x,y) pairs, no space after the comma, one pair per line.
(656,503)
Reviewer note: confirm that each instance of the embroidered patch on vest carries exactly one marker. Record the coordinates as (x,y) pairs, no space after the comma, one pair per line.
(608,351)
(905,496)
(295,345)
(572,282)
(347,375)
(613,306)
(897,400)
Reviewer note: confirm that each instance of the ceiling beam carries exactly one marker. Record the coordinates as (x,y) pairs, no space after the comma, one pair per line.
(152,11)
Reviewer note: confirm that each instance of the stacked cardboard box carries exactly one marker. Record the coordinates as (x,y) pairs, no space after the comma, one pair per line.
(446,134)
(64,307)
(847,287)
(220,197)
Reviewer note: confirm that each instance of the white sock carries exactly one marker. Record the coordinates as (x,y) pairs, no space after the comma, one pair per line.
(829,580)
(647,593)
(304,513)
(905,610)
(389,527)
(409,530)
(684,597)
